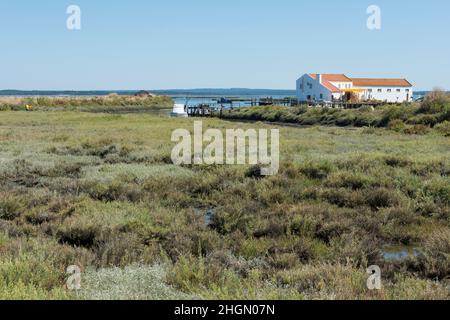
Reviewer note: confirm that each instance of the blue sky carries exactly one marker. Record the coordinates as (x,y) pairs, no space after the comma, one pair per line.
(161,44)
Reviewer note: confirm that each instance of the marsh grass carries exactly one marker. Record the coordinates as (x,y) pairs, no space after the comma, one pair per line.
(99,191)
(103,104)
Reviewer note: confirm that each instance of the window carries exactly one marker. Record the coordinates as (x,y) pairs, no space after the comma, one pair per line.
(370,90)
(398,90)
(407,90)
(380,90)
(389,90)
(321,96)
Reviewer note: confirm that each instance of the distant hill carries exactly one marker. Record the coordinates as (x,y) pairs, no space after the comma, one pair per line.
(227,92)
(172,92)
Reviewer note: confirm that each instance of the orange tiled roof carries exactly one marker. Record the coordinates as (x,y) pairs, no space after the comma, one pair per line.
(332,77)
(359,82)
(366,82)
(327,78)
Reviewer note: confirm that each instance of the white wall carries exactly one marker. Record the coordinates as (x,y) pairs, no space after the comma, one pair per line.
(337,95)
(314,90)
(392,96)
(342,85)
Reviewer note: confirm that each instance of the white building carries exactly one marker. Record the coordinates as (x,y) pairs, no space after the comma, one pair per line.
(339,87)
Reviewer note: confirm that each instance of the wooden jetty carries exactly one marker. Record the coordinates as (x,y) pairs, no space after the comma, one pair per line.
(203,110)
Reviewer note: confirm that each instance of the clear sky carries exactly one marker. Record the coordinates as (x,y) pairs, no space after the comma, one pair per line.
(162,44)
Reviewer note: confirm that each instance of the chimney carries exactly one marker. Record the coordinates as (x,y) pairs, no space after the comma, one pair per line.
(319,78)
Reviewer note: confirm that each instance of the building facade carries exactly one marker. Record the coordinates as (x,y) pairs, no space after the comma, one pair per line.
(339,87)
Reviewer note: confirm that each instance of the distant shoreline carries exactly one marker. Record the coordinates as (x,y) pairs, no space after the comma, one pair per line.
(172,92)
(177,94)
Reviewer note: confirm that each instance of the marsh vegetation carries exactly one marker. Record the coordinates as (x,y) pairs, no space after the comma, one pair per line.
(415,118)
(99,191)
(113,103)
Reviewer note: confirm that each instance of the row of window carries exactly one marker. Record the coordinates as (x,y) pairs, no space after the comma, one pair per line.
(389,90)
(309,85)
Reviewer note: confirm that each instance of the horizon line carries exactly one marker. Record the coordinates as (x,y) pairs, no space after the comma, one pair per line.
(150,90)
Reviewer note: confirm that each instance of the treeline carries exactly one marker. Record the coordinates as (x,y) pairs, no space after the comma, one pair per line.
(433,112)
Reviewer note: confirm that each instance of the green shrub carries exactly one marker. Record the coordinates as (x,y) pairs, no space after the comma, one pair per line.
(305,226)
(316,169)
(79,234)
(20,291)
(439,190)
(382,198)
(345,121)
(397,125)
(351,180)
(417,129)
(425,119)
(444,128)
(344,198)
(435,102)
(369,120)
(397,161)
(10,208)
(391,113)
(434,260)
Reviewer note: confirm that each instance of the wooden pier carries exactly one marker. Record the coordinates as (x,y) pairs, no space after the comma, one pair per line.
(203,110)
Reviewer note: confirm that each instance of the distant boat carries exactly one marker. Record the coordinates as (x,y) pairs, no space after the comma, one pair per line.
(224,101)
(179,111)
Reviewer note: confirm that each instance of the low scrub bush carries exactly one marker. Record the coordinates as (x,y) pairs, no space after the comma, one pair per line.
(444,128)
(350,180)
(436,102)
(434,260)
(10,208)
(397,125)
(382,198)
(316,170)
(418,129)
